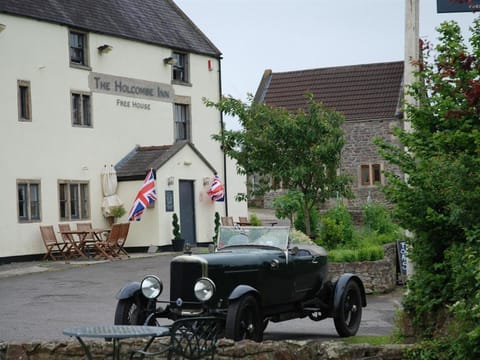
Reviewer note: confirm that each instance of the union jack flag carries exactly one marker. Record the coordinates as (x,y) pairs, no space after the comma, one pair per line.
(216,190)
(145,196)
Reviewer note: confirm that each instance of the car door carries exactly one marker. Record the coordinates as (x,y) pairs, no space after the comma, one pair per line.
(276,280)
(305,273)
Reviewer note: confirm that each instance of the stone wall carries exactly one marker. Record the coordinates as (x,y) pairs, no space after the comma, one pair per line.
(360,150)
(226,350)
(377,276)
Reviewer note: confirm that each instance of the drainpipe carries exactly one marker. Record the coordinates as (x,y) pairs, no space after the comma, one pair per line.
(222,129)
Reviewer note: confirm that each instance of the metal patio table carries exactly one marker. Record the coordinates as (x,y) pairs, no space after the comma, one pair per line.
(115,333)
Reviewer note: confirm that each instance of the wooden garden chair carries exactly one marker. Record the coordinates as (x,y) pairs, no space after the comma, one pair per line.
(67,238)
(53,246)
(227,221)
(108,247)
(122,239)
(86,227)
(243,221)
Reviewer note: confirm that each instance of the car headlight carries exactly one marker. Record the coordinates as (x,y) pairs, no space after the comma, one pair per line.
(204,289)
(151,286)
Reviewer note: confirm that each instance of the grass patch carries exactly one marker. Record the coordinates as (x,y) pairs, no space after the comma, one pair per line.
(368,253)
(372,340)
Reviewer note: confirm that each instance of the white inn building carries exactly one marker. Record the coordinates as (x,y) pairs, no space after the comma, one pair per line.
(86,84)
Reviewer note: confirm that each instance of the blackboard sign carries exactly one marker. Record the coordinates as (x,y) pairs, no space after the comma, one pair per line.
(402,256)
(168,200)
(452,6)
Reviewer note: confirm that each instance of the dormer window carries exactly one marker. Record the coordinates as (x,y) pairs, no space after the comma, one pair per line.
(78,48)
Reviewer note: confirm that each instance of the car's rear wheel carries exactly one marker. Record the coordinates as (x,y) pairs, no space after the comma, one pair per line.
(129,312)
(243,320)
(349,313)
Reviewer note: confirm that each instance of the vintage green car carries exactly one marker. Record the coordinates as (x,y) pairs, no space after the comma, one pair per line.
(254,276)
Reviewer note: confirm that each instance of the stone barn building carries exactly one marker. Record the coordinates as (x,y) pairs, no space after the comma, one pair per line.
(370,98)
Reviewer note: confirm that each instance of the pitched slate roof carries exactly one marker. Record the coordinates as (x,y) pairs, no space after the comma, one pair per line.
(159,22)
(369,92)
(135,165)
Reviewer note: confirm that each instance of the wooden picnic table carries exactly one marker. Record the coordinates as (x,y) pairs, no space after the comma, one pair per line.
(80,245)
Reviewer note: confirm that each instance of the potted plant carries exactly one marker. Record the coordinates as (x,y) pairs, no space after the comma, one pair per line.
(116,212)
(215,236)
(177,241)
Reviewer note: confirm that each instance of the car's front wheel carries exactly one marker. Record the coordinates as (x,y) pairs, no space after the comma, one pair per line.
(349,313)
(129,312)
(243,320)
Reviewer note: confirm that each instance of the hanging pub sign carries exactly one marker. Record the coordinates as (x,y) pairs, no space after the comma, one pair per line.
(452,6)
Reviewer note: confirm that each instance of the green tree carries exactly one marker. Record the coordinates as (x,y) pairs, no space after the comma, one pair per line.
(287,205)
(299,150)
(439,199)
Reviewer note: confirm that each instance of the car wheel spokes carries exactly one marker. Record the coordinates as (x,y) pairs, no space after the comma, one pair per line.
(246,324)
(351,308)
(132,314)
(247,328)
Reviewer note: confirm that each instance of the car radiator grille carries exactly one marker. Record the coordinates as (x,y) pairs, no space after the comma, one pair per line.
(183,276)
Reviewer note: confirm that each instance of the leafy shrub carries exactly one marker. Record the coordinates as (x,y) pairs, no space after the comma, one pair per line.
(377,218)
(428,350)
(337,227)
(346,242)
(331,234)
(314,222)
(254,220)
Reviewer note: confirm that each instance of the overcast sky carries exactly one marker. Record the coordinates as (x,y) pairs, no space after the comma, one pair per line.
(284,35)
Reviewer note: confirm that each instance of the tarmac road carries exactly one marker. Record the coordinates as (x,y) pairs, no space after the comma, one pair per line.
(38,300)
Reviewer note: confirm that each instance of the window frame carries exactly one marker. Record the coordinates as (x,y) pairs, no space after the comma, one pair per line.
(24,98)
(371,174)
(365,175)
(73,200)
(83,62)
(184,121)
(29,209)
(376,174)
(79,120)
(180,70)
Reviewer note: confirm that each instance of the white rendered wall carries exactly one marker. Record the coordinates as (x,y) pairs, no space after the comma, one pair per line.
(49,148)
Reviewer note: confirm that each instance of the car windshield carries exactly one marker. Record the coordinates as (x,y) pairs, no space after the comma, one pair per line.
(271,236)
